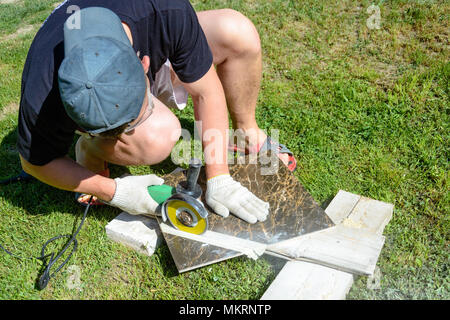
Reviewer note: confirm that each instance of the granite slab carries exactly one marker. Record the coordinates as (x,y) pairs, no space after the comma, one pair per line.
(293,212)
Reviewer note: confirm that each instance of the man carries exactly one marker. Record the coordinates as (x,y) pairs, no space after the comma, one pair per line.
(99,74)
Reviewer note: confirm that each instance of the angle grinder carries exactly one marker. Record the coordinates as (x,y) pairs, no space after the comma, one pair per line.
(182,205)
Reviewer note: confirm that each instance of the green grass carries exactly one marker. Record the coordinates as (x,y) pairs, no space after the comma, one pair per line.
(366,111)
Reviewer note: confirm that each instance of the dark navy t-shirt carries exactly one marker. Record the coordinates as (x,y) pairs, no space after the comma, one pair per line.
(161,29)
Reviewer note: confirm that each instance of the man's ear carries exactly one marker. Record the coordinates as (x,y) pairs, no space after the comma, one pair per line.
(145,63)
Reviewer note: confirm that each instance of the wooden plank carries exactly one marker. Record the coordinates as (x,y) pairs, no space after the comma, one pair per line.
(341,206)
(341,247)
(370,215)
(299,280)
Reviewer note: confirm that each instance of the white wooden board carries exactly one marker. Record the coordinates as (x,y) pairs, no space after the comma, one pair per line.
(370,215)
(341,206)
(299,280)
(341,247)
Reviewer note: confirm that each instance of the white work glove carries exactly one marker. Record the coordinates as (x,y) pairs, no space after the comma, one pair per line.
(132,195)
(225,195)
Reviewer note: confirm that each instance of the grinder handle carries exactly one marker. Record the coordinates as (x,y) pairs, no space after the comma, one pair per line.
(193,172)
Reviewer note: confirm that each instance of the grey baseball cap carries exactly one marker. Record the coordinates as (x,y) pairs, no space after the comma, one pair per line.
(101,80)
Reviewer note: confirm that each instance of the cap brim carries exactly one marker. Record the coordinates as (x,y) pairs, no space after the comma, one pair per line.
(92,22)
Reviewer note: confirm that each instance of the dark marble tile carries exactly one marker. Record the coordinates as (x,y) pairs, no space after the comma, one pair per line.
(293,212)
(189,254)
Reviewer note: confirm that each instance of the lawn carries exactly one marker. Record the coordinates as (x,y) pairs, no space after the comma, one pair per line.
(362,102)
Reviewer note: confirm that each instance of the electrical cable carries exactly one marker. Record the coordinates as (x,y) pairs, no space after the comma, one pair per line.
(46,275)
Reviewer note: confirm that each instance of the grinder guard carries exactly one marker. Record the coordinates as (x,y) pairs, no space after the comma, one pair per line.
(185,213)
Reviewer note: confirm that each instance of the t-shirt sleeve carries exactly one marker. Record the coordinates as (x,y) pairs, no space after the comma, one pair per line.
(191,56)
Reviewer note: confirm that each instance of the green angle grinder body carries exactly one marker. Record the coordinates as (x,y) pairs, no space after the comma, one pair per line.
(181,205)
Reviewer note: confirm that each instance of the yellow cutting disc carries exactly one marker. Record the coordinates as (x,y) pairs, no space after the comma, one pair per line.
(185,218)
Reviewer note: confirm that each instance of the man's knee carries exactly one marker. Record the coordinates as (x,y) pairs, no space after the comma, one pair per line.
(150,143)
(238,33)
(161,139)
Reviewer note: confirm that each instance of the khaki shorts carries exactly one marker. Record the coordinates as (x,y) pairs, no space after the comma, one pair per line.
(164,90)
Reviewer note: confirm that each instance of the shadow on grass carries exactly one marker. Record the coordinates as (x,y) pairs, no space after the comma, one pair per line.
(166,261)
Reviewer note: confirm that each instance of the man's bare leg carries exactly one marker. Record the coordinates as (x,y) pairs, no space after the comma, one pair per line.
(236,48)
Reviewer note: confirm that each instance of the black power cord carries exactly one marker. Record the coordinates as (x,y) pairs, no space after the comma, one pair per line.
(46,275)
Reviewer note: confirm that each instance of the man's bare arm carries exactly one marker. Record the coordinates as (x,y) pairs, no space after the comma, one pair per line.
(66,174)
(210,108)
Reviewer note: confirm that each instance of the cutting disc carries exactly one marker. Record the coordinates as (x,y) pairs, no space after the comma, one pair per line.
(185,217)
